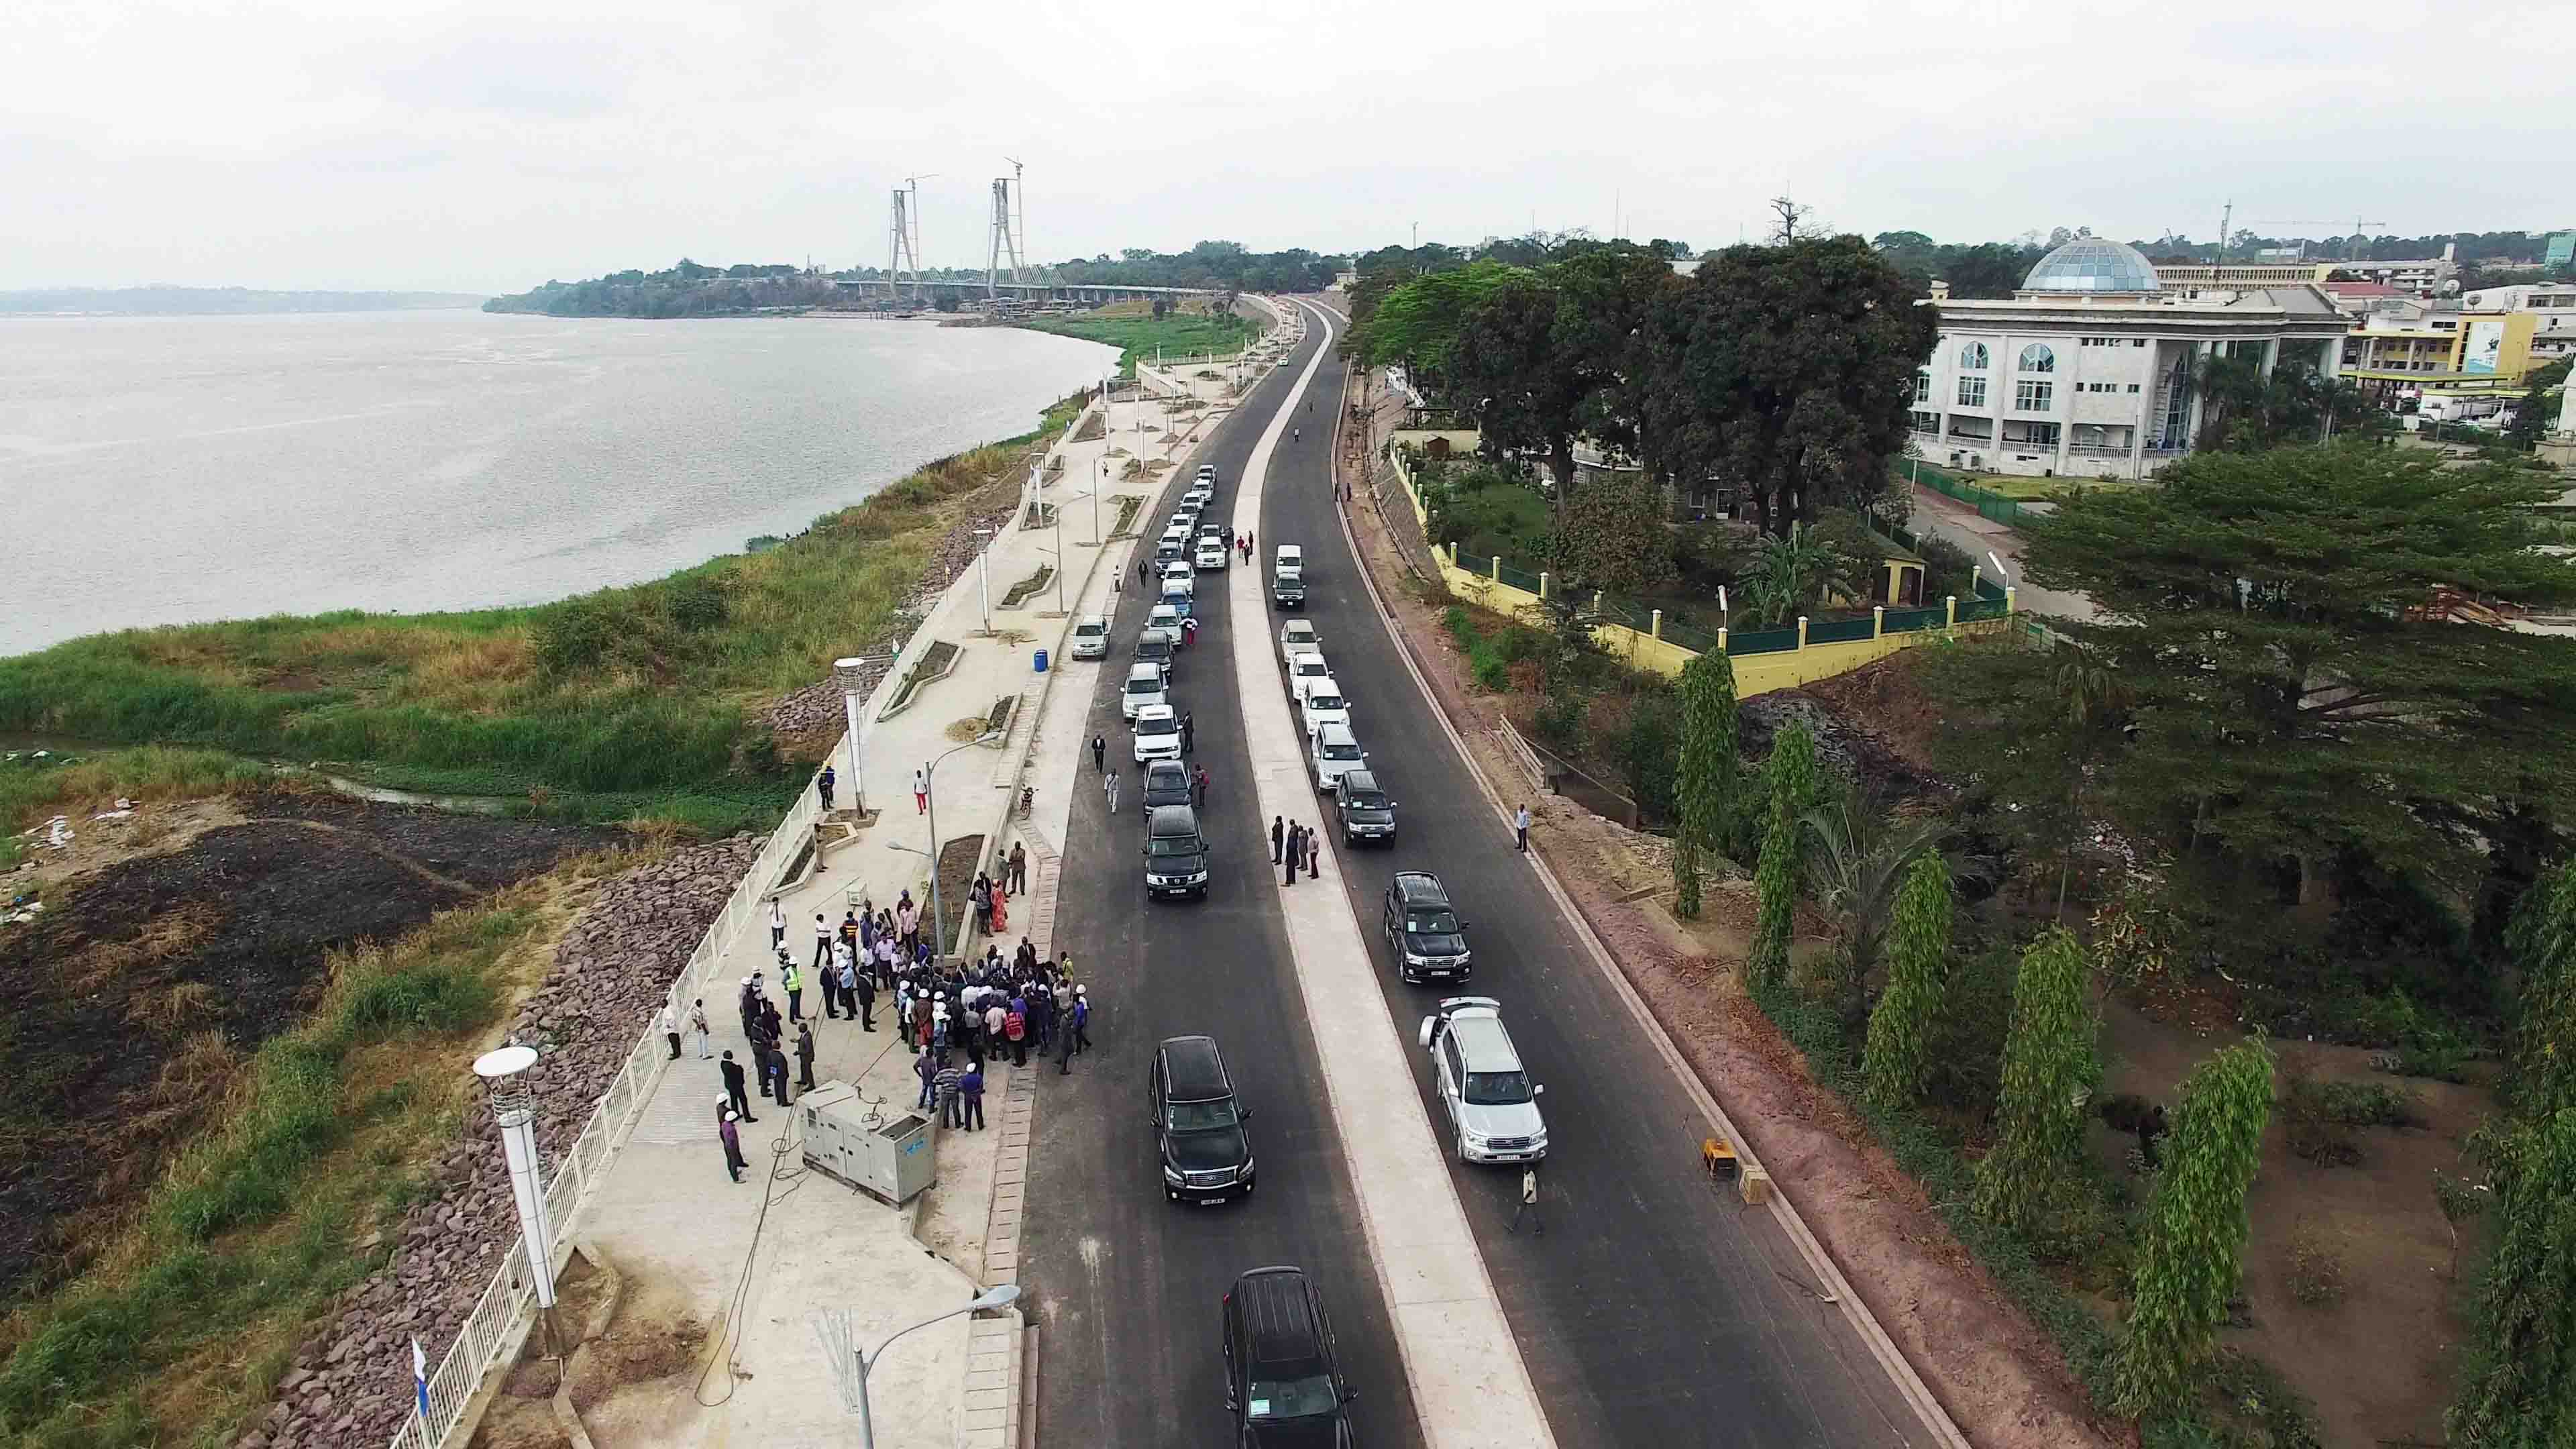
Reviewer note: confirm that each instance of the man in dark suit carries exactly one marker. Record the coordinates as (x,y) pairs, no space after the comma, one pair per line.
(733,1081)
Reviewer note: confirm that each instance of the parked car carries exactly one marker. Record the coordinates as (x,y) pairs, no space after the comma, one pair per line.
(1091,637)
(1367,812)
(1289,562)
(1159,646)
(1320,703)
(1283,1377)
(1199,496)
(1287,594)
(1478,1077)
(1198,1123)
(1296,637)
(1148,683)
(1304,667)
(1167,782)
(1332,752)
(1213,554)
(1176,854)
(1158,733)
(1423,930)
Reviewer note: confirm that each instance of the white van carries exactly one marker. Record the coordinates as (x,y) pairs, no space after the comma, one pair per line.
(1320,702)
(1332,752)
(1289,563)
(1145,685)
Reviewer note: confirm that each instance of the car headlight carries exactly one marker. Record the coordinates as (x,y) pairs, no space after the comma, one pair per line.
(1474,1137)
(1172,1175)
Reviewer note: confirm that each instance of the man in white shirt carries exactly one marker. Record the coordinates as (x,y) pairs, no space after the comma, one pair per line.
(777,924)
(1520,828)
(822,942)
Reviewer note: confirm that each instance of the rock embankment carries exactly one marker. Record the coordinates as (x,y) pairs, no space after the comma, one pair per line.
(351,1384)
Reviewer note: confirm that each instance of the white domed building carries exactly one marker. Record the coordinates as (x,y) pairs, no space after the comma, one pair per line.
(2086,371)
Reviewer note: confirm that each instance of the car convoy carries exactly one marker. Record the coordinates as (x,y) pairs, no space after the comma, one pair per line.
(1283,1383)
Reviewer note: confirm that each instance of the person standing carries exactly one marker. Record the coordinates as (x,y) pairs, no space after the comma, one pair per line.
(1198,789)
(1529,1203)
(1314,854)
(777,925)
(863,1000)
(1275,838)
(1109,787)
(1296,850)
(1520,829)
(822,941)
(1015,1030)
(1077,1024)
(833,976)
(944,1086)
(698,1024)
(997,1019)
(793,983)
(805,1056)
(733,1084)
(907,921)
(823,787)
(778,1075)
(1189,733)
(970,1098)
(921,792)
(732,1139)
(671,1030)
(924,1068)
(1100,754)
(1019,868)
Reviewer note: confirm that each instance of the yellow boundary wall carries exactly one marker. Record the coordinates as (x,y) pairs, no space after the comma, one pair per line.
(1754,673)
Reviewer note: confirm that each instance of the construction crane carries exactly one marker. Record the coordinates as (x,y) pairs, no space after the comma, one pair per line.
(903,236)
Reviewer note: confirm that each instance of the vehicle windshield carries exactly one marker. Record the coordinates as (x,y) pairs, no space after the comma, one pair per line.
(1172,845)
(1158,726)
(1144,686)
(1290,1398)
(1341,752)
(1204,1116)
(1432,923)
(1153,648)
(1086,630)
(1496,1089)
(1321,700)
(1366,799)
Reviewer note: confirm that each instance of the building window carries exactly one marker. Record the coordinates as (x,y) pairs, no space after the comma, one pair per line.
(2133,387)
(2031,435)
(1972,392)
(1973,356)
(1925,421)
(2032,397)
(2037,358)
(2137,342)
(1922,384)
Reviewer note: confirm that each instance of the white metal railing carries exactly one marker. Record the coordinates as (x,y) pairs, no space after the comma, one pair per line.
(489,1329)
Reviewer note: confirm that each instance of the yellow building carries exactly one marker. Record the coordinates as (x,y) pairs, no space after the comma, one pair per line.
(2455,351)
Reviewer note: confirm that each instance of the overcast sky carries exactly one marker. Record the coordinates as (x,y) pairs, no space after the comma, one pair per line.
(392,143)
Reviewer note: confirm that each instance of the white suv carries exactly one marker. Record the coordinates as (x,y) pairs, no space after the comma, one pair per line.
(1479,1079)
(1320,702)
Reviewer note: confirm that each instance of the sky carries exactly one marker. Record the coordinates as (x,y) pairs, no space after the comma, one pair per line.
(482,148)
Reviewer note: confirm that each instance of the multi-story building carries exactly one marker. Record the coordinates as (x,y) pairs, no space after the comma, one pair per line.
(2403,350)
(2552,306)
(2089,369)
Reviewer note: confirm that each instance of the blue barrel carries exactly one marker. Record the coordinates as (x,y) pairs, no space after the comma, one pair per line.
(1041,661)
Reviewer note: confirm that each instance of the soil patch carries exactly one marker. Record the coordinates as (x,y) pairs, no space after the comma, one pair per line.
(149,978)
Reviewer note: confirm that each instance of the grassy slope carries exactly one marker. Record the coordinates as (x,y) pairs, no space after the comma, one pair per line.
(657,715)
(1136,332)
(194,1307)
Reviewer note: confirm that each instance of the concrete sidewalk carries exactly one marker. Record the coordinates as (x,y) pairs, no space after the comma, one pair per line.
(754,1261)
(1948,518)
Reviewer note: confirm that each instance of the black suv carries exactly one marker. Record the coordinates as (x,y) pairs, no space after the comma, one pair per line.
(1167,782)
(1423,929)
(1282,1383)
(1198,1125)
(1367,813)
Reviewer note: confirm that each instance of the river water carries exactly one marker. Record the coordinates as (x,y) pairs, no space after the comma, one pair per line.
(162,470)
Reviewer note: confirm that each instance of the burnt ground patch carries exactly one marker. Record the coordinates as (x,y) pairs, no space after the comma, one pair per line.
(125,1008)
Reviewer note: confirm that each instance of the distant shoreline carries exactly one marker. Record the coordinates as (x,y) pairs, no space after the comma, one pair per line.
(219,302)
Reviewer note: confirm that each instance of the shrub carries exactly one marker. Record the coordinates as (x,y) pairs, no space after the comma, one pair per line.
(2316,1278)
(574,635)
(697,602)
(1486,664)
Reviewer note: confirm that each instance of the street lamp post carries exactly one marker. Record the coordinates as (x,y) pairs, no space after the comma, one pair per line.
(513,1110)
(984,575)
(930,802)
(850,673)
(851,1364)
(1096,490)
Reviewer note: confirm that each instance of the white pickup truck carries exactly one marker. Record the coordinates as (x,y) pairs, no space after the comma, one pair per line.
(1296,637)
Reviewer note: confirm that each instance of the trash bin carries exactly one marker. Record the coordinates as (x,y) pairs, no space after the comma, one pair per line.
(1041,661)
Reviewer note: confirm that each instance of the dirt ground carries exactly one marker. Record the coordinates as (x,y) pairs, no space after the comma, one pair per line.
(625,1383)
(2378,1366)
(175,942)
(2000,1378)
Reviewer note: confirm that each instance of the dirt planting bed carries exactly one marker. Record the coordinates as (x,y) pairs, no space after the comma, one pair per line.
(124,1005)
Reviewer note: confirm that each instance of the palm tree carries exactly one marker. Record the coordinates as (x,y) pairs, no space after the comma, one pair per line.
(2091,695)
(1792,572)
(1855,869)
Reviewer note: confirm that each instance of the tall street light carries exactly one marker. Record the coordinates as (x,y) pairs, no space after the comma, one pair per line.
(930,799)
(514,1111)
(851,1364)
(851,673)
(984,575)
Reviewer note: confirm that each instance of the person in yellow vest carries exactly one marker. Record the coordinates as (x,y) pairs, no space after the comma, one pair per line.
(794,985)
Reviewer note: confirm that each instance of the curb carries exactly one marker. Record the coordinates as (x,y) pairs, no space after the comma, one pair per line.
(1900,1371)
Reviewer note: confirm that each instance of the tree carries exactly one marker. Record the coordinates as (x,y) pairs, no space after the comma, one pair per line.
(2531,417)
(1792,574)
(2189,1255)
(1792,768)
(1856,858)
(1786,369)
(2519,1389)
(2543,942)
(2049,1071)
(1611,536)
(1900,1027)
(1417,324)
(2091,695)
(2291,703)
(1708,767)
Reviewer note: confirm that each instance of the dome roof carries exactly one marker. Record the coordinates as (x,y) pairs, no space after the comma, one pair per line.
(2092,264)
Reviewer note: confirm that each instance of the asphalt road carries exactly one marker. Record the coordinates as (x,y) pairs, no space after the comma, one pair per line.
(1127,1284)
(1655,1310)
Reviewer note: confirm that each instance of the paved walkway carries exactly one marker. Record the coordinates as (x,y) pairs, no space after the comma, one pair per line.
(1946,517)
(756,1260)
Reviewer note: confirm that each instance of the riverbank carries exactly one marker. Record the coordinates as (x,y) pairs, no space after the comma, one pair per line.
(1136,332)
(650,701)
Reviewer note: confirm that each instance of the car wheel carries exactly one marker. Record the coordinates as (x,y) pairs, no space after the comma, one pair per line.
(1463,1159)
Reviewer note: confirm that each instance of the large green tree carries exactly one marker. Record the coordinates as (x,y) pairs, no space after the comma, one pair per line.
(2288,700)
(1792,771)
(1787,370)
(1899,1045)
(1546,356)
(2538,411)
(1612,536)
(2050,1068)
(1708,770)
(1417,323)
(2194,1243)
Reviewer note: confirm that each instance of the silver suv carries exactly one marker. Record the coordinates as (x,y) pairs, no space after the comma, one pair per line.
(1492,1103)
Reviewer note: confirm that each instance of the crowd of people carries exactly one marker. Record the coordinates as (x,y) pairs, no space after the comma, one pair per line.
(981,1010)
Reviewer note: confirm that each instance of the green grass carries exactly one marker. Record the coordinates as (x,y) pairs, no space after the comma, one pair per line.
(182,1326)
(33,790)
(635,700)
(1137,335)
